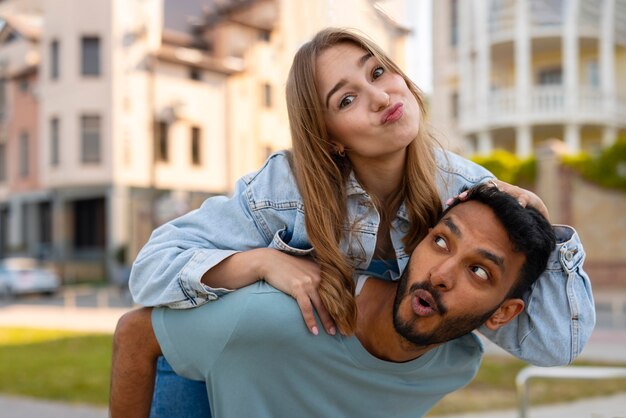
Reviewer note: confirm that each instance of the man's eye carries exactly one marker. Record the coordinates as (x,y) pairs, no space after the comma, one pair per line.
(378,71)
(441,243)
(346,101)
(480,272)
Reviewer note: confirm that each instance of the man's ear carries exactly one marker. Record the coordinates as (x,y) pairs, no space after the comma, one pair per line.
(509,309)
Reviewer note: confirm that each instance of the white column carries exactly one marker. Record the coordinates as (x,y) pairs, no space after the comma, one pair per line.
(609,135)
(482,75)
(607,61)
(522,59)
(523,141)
(570,59)
(572,137)
(465,65)
(485,142)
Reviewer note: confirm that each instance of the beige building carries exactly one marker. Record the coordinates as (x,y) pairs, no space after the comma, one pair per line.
(510,74)
(116,116)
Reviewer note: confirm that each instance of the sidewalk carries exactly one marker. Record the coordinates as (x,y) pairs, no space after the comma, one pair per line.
(605,407)
(16,407)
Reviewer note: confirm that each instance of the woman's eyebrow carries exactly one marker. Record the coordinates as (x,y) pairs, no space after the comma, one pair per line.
(361,62)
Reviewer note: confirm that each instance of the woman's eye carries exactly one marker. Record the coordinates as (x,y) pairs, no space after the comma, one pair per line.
(441,243)
(378,71)
(346,101)
(480,272)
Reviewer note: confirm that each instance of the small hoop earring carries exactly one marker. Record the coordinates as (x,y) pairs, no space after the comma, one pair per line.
(341,152)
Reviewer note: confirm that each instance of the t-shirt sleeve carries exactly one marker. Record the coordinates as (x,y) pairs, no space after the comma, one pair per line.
(193,340)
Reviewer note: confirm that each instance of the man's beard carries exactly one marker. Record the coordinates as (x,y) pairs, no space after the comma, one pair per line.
(450,328)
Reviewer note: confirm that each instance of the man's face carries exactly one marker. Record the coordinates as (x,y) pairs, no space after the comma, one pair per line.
(458,277)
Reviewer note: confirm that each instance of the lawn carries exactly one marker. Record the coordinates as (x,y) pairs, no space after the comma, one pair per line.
(75,367)
(59,365)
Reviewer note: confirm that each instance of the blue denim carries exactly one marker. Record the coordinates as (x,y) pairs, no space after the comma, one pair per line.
(176,396)
(266,210)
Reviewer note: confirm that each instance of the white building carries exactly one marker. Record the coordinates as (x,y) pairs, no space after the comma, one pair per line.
(511,73)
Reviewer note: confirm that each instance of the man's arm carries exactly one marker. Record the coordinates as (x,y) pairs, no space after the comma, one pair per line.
(135,352)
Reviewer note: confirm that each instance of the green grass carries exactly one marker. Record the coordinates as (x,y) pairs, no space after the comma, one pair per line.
(75,367)
(58,365)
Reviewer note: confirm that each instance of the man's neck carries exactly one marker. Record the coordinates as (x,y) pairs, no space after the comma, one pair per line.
(375,329)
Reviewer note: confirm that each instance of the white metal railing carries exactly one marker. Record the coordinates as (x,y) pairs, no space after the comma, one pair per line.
(567,372)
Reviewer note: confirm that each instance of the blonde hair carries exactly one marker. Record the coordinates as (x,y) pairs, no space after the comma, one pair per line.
(321,174)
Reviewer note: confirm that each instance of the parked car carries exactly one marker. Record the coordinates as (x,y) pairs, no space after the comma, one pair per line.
(24,276)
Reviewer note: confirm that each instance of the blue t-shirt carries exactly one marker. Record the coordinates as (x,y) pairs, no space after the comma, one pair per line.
(259,360)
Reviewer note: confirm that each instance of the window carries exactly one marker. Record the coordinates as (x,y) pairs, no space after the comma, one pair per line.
(593,73)
(264,35)
(161,149)
(454,22)
(195,74)
(267,95)
(3,96)
(3,162)
(89,224)
(23,85)
(54,141)
(90,56)
(455,104)
(24,160)
(54,59)
(90,136)
(550,77)
(196,137)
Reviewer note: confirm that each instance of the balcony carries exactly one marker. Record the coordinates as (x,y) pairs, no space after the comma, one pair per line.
(543,105)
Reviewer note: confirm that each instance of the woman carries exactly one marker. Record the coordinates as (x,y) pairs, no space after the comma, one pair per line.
(365,183)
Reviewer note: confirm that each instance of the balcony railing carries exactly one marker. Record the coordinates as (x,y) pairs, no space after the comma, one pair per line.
(543,104)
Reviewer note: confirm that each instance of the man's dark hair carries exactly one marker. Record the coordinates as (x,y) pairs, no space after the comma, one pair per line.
(529,231)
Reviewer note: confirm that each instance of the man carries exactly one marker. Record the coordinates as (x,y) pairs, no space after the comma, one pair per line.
(413,342)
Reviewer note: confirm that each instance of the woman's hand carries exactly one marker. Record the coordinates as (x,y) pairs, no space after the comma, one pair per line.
(298,277)
(523,196)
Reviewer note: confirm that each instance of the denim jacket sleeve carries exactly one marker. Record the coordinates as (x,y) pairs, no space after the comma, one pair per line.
(168,269)
(560,313)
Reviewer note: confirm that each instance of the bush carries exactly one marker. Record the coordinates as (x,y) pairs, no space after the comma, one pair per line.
(510,168)
(607,169)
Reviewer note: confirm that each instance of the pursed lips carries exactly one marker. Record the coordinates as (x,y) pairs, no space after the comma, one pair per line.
(392,114)
(423,303)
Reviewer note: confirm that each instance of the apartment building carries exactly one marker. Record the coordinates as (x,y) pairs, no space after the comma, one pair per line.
(117,116)
(509,74)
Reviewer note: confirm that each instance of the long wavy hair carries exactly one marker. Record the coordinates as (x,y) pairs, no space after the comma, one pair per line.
(322,174)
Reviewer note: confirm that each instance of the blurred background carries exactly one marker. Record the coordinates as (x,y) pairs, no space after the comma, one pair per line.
(119,115)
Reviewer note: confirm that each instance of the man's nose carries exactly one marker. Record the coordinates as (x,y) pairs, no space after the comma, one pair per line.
(442,276)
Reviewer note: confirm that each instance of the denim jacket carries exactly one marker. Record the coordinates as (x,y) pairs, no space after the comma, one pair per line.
(266,210)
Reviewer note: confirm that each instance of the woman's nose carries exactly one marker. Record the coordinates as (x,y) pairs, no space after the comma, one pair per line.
(379,98)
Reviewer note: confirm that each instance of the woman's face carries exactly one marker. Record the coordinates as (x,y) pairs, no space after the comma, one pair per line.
(368,109)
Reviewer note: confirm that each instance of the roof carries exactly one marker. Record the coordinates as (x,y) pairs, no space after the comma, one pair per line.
(28,26)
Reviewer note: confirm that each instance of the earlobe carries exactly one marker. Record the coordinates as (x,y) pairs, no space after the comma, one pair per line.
(509,309)
(338,148)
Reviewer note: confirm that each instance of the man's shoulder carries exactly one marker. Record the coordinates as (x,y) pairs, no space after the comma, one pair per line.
(463,351)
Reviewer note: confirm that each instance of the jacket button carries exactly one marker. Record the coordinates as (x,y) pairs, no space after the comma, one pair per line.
(569,256)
